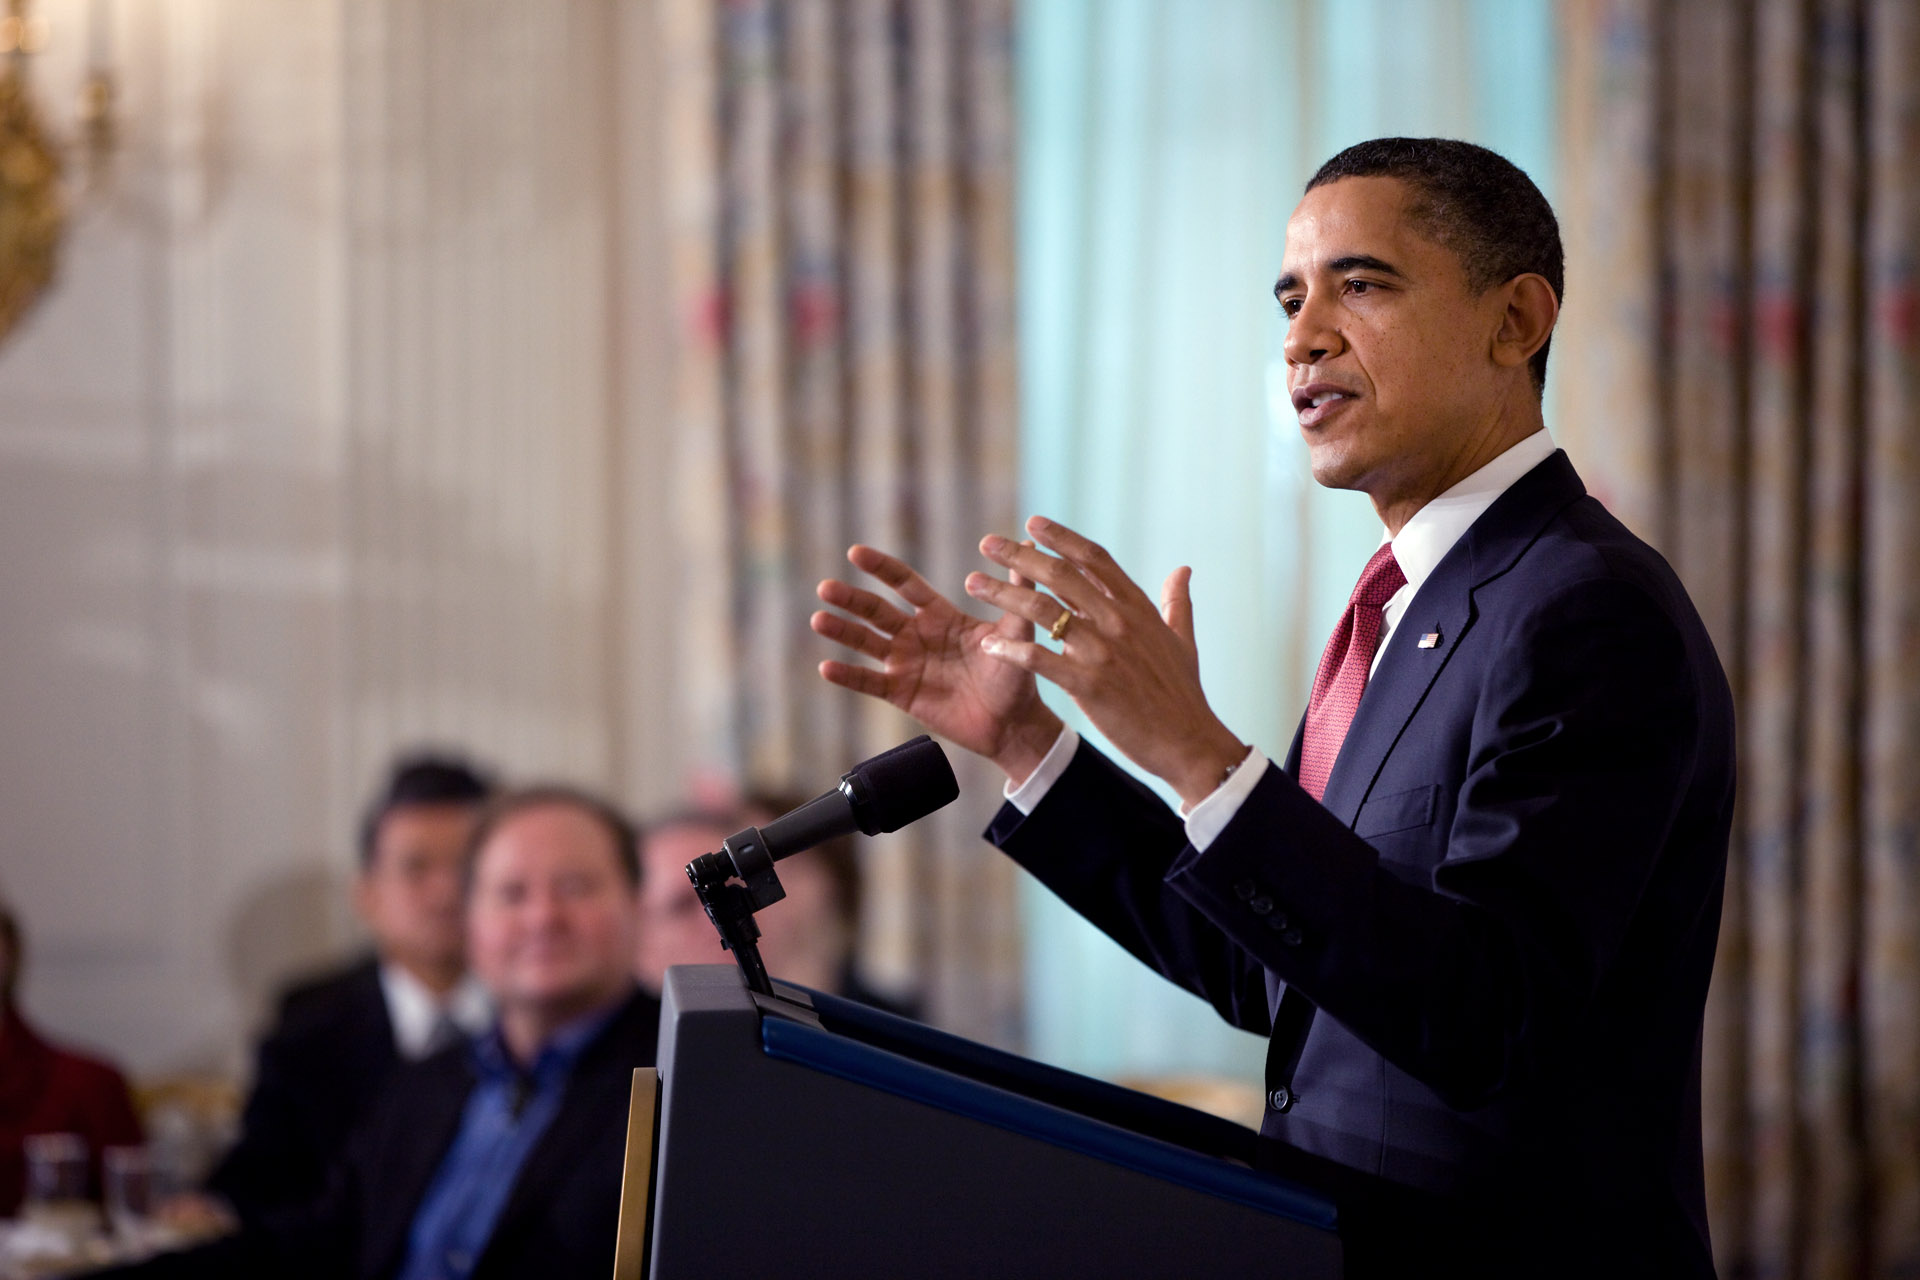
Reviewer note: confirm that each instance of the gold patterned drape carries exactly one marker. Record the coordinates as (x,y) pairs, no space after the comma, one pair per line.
(1739,377)
(31,214)
(840,195)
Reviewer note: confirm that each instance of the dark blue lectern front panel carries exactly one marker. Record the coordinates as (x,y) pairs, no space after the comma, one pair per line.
(840,1141)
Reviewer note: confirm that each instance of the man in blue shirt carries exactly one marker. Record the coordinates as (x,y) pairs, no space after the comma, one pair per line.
(501,1157)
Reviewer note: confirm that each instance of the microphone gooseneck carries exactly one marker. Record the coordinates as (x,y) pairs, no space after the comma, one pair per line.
(882,794)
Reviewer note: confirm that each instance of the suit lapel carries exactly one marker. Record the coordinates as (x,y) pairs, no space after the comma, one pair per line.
(1292,765)
(435,1098)
(375,1048)
(1443,607)
(586,1110)
(1397,688)
(595,1097)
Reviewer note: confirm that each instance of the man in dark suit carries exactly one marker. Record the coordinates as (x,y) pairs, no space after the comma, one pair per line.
(501,1157)
(338,1038)
(1475,913)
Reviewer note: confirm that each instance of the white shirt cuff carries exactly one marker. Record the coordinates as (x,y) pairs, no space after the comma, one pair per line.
(1210,817)
(1027,796)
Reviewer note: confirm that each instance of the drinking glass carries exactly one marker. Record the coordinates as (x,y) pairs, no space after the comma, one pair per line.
(128,1181)
(55,1211)
(56,1172)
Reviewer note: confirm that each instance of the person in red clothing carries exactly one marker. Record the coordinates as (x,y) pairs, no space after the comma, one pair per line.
(47,1089)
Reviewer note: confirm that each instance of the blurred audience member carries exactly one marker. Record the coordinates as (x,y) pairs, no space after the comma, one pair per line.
(47,1089)
(674,928)
(807,938)
(501,1156)
(338,1038)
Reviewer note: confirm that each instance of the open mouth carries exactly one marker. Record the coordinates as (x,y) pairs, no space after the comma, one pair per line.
(1316,401)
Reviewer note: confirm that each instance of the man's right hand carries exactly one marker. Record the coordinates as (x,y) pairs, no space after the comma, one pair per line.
(932,667)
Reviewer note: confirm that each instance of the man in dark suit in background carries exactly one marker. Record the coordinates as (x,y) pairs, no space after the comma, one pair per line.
(338,1038)
(1475,913)
(500,1157)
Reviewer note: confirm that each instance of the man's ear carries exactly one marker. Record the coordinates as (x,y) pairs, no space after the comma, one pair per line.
(362,894)
(1527,322)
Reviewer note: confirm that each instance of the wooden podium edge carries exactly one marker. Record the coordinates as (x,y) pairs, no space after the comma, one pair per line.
(636,1178)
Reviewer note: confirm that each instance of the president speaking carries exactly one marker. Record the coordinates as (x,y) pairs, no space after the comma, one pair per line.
(1475,908)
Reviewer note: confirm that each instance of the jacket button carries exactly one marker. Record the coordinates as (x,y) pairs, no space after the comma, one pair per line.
(1261,905)
(1280,1099)
(1292,936)
(1245,890)
(1279,923)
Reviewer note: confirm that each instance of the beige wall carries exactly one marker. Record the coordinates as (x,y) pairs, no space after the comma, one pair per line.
(334,438)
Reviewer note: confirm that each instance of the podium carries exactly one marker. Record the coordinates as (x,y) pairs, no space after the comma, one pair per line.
(802,1134)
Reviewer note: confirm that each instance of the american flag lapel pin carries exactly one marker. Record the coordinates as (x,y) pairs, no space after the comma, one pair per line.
(1431,640)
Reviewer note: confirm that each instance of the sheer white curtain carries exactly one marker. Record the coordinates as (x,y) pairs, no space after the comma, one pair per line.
(1161,154)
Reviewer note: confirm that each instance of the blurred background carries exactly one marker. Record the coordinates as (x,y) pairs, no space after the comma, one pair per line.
(501,377)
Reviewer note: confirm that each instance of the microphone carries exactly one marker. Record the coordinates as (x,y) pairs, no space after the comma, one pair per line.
(884,793)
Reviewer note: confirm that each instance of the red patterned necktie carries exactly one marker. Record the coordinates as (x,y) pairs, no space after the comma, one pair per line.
(1342,677)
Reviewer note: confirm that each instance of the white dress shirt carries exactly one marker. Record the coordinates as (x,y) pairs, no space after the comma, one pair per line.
(416,1012)
(1423,542)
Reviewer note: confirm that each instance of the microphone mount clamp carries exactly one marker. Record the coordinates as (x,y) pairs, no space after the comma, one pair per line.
(733,884)
(878,795)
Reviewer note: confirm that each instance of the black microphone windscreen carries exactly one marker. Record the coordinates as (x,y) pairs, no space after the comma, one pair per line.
(815,822)
(902,785)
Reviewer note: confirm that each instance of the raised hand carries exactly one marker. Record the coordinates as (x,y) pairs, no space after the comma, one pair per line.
(932,665)
(1131,666)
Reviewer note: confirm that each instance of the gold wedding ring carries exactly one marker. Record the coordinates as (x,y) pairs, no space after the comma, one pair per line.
(1059,628)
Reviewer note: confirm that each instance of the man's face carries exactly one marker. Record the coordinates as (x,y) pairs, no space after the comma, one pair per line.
(1389,352)
(674,928)
(409,895)
(551,919)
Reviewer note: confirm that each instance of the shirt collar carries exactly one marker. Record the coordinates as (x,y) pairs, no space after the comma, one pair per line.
(554,1058)
(1427,536)
(415,1011)
(470,1006)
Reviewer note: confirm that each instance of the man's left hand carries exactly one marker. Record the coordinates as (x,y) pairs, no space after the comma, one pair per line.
(1131,667)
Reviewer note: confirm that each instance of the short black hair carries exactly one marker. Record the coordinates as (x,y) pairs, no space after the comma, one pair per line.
(421,780)
(626,838)
(1476,203)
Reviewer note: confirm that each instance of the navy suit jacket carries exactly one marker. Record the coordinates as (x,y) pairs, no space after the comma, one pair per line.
(326,1058)
(1505,911)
